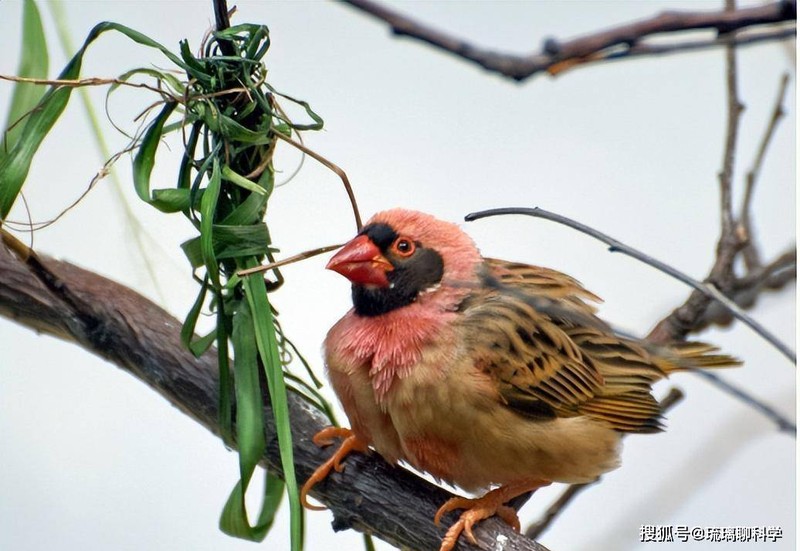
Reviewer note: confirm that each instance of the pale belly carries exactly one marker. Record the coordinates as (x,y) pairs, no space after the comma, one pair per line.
(452,424)
(446,418)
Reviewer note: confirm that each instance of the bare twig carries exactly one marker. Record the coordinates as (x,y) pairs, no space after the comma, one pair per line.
(750,252)
(707,290)
(90,81)
(104,171)
(615,43)
(744,38)
(339,172)
(290,260)
(771,275)
(734,236)
(729,244)
(535,530)
(783,423)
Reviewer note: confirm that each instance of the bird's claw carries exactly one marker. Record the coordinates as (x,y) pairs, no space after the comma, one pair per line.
(325,438)
(475,510)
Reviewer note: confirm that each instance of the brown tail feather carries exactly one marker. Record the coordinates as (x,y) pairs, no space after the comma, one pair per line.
(684,356)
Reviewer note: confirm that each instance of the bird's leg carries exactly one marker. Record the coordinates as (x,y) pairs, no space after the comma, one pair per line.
(492,503)
(323,438)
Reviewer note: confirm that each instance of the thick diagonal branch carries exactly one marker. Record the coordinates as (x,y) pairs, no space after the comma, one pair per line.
(128,330)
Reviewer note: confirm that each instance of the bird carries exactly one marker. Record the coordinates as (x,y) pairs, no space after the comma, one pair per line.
(490,375)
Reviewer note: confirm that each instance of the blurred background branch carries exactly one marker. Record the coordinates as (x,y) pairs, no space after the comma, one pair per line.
(620,42)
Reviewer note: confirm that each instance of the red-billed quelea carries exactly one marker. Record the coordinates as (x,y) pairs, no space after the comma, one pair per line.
(482,372)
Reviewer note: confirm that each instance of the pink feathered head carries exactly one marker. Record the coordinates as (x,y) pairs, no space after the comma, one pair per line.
(460,255)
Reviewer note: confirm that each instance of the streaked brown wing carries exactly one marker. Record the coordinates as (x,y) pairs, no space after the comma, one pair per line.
(550,356)
(536,280)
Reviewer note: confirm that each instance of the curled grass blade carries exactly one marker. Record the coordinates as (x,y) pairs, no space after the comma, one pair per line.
(146,155)
(242,182)
(14,167)
(249,422)
(190,323)
(249,434)
(268,350)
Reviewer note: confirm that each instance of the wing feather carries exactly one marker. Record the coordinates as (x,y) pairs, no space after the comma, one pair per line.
(531,330)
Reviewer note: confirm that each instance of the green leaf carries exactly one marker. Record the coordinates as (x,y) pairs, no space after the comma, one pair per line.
(250,211)
(173,199)
(318,122)
(199,346)
(194,66)
(146,155)
(191,248)
(232,521)
(14,167)
(249,433)
(232,130)
(189,324)
(136,36)
(208,205)
(33,63)
(185,170)
(161,76)
(228,242)
(229,174)
(238,241)
(268,351)
(225,379)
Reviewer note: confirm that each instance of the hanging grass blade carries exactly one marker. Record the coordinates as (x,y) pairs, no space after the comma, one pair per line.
(249,432)
(190,323)
(268,351)
(223,188)
(208,205)
(234,523)
(14,167)
(33,62)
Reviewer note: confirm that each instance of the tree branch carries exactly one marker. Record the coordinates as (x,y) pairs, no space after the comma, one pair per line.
(750,254)
(746,290)
(121,326)
(619,42)
(735,236)
(782,422)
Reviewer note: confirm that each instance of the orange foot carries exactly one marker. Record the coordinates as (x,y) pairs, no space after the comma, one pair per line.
(493,503)
(323,438)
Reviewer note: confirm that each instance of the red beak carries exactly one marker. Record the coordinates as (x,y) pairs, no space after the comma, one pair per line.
(361,262)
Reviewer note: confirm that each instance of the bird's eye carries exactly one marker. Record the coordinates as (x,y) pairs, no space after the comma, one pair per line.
(404,246)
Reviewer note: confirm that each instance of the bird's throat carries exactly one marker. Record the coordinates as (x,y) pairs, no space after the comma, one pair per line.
(393,343)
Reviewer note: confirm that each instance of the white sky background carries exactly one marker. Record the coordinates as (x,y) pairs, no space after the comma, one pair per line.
(93,459)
